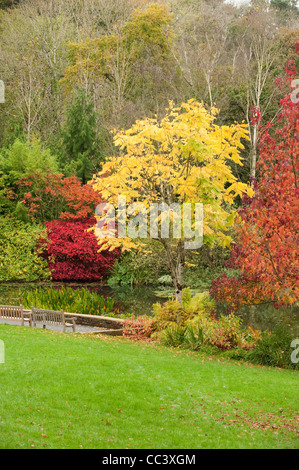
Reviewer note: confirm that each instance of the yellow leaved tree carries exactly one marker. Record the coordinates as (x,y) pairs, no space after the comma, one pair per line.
(180,163)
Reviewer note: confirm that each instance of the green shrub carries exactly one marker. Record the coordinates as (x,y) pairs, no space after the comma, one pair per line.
(20,160)
(193,307)
(70,300)
(231,326)
(170,311)
(194,338)
(196,322)
(274,349)
(120,274)
(188,336)
(203,265)
(20,248)
(174,335)
(194,326)
(23,157)
(165,280)
(134,268)
(200,304)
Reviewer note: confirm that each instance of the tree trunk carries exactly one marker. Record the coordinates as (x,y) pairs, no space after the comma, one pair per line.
(176,267)
(178,280)
(178,288)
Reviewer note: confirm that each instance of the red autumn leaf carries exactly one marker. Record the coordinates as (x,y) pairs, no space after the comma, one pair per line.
(266,231)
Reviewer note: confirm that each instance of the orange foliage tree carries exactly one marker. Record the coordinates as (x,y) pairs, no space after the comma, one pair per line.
(266,242)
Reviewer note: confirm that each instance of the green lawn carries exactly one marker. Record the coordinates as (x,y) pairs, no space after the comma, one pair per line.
(73,391)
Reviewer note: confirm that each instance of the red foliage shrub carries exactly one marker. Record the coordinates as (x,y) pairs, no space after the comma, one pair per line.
(40,194)
(49,196)
(138,328)
(81,200)
(72,251)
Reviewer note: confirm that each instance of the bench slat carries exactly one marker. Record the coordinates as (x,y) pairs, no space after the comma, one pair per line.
(51,317)
(12,312)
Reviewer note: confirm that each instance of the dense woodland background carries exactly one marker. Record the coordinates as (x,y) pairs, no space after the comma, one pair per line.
(75,70)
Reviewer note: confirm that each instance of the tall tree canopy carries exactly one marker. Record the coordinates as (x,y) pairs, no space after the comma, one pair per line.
(182,158)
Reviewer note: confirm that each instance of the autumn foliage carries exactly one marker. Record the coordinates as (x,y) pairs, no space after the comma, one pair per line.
(67,207)
(49,196)
(183,158)
(266,242)
(73,251)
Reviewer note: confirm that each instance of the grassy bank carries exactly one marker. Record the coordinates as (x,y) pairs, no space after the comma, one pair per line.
(70,391)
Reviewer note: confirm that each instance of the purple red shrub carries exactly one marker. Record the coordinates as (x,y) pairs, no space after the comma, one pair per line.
(73,254)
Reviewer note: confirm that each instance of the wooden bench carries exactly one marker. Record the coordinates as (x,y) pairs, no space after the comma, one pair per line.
(16,313)
(52,317)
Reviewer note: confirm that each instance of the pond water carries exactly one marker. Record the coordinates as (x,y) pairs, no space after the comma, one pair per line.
(139,301)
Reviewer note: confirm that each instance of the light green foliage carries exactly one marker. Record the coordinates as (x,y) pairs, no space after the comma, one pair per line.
(170,311)
(22,158)
(149,30)
(70,300)
(200,304)
(19,252)
(194,307)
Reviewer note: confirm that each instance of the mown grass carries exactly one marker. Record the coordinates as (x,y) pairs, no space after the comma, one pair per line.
(75,391)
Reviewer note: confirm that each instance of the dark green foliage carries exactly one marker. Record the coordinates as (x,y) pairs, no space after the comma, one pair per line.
(5,4)
(193,337)
(174,336)
(80,143)
(134,268)
(274,349)
(187,337)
